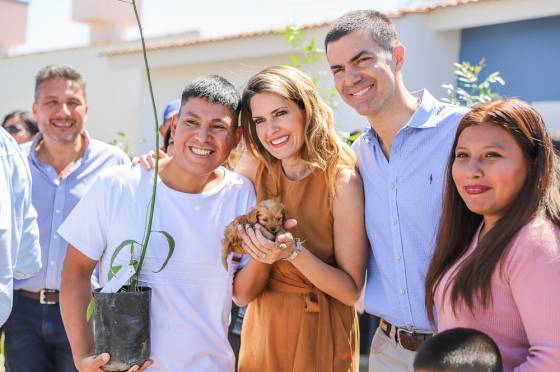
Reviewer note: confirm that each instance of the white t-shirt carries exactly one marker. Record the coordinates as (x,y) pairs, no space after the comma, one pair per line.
(191,297)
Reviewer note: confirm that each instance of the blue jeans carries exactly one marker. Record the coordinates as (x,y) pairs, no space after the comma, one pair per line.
(35,338)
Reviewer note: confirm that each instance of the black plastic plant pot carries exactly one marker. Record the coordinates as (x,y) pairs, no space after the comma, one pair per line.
(122,327)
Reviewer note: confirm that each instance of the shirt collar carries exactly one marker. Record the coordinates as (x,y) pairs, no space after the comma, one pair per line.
(425,115)
(39,137)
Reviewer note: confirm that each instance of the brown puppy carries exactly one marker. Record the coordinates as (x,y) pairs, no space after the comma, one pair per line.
(269,213)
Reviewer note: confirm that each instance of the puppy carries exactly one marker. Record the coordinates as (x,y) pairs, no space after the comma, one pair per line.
(269,213)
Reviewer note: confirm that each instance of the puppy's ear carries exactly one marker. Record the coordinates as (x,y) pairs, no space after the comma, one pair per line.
(253,216)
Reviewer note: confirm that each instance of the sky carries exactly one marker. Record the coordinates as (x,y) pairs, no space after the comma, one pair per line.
(50,25)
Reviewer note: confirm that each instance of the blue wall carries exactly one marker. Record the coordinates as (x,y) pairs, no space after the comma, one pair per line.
(527,54)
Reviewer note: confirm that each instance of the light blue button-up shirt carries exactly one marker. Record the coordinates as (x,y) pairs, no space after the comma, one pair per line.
(20,255)
(54,198)
(403,200)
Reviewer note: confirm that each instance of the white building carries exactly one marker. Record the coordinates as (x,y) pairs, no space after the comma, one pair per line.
(435,37)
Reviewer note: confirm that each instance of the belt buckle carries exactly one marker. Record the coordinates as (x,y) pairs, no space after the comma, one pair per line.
(43,296)
(409,332)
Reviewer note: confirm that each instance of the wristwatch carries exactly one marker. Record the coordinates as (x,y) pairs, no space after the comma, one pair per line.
(297,250)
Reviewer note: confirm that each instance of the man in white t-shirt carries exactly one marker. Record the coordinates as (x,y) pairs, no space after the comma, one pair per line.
(196,199)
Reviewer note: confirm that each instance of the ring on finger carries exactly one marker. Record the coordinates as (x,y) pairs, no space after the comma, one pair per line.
(262,255)
(281,246)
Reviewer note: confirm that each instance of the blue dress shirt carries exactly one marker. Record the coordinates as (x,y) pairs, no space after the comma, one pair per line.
(20,255)
(54,198)
(403,200)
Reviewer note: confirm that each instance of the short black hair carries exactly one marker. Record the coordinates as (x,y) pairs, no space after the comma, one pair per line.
(213,89)
(459,350)
(55,72)
(25,117)
(380,26)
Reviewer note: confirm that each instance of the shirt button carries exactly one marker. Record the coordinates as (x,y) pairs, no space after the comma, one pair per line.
(398,258)
(403,291)
(52,263)
(55,237)
(57,210)
(392,186)
(394,221)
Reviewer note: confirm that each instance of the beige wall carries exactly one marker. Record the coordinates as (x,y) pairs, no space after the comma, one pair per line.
(13,24)
(117,90)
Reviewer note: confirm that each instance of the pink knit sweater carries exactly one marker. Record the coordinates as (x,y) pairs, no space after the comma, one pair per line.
(524,316)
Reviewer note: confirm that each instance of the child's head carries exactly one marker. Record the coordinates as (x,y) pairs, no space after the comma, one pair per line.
(458,350)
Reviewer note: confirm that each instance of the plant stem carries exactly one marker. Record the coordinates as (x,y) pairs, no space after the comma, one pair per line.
(153,199)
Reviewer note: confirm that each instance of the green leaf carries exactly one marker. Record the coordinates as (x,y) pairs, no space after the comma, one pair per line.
(171,245)
(119,248)
(113,271)
(90,308)
(295,60)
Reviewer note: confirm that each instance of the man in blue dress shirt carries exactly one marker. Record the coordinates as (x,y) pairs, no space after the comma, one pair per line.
(64,162)
(20,255)
(402,158)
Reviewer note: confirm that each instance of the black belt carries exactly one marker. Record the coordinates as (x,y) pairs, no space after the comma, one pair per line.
(409,340)
(44,296)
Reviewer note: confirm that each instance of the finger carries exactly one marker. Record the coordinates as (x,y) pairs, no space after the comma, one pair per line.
(289,224)
(254,243)
(247,241)
(145,162)
(135,160)
(253,252)
(148,363)
(284,238)
(267,234)
(100,360)
(151,161)
(244,234)
(162,154)
(133,369)
(265,244)
(251,234)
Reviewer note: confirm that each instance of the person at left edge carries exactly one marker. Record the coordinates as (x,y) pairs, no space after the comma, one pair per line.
(20,255)
(64,162)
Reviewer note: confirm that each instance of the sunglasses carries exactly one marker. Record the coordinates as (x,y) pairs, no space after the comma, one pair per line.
(13,129)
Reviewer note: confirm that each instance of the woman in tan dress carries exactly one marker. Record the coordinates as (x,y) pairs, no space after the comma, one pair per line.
(301,286)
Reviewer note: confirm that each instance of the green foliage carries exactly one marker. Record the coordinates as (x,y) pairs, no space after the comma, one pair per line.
(137,261)
(90,308)
(121,142)
(306,54)
(469,90)
(352,137)
(307,49)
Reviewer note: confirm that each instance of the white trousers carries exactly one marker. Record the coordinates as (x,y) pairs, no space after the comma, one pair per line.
(387,356)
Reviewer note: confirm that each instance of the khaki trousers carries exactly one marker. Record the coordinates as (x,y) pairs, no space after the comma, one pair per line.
(387,356)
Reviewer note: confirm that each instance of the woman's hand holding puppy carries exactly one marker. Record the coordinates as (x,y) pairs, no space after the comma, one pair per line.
(263,246)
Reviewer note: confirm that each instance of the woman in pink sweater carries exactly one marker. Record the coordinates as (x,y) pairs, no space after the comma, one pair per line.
(496,265)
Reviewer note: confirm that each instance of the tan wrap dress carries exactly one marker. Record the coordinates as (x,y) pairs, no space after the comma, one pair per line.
(292,325)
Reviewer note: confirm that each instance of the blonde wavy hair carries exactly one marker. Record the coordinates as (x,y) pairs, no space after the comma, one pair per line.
(323,148)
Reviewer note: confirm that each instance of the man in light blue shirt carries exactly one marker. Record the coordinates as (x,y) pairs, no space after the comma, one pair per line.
(20,255)
(64,162)
(402,158)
